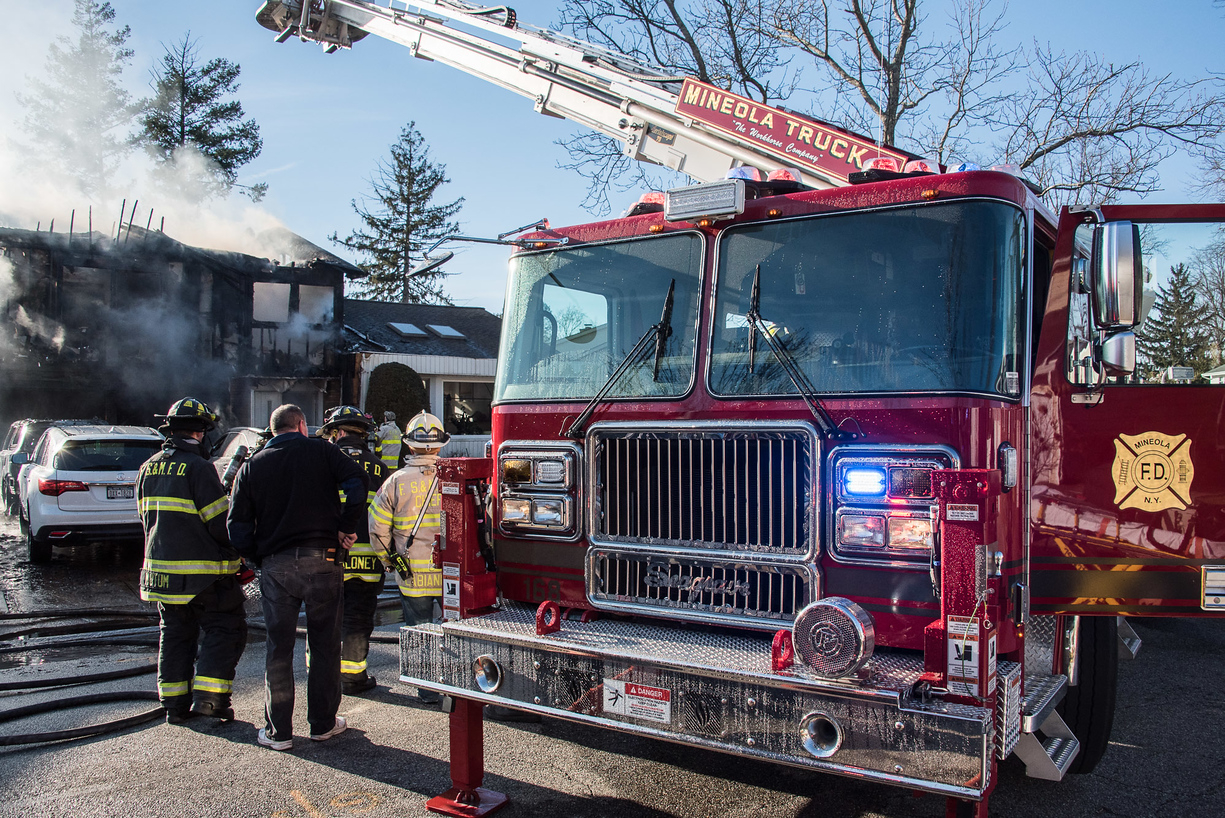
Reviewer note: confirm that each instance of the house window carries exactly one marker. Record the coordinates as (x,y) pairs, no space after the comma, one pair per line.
(316,304)
(271,302)
(466,407)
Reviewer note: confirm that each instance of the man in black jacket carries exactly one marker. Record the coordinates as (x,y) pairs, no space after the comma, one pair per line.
(189,570)
(286,516)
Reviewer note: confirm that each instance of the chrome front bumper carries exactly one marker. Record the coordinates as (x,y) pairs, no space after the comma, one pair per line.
(712,690)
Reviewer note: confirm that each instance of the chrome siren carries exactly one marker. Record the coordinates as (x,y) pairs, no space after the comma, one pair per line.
(834,637)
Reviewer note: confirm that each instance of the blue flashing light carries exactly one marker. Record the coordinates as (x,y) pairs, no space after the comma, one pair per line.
(748,172)
(864,482)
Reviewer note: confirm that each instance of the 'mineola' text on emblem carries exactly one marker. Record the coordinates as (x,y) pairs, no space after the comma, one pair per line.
(1152,471)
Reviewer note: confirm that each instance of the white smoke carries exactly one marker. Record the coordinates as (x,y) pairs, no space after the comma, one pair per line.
(37,186)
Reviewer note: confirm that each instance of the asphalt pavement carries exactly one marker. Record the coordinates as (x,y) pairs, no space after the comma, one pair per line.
(1166,758)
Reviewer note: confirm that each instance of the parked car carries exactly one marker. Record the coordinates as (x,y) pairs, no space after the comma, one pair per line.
(79,485)
(22,436)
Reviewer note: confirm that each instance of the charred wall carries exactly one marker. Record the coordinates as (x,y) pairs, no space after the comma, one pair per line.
(120,328)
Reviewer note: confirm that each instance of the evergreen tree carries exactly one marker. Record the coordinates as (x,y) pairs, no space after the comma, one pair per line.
(1176,333)
(78,117)
(401,222)
(192,109)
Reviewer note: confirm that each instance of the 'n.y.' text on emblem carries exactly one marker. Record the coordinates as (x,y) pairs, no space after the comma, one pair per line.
(1152,471)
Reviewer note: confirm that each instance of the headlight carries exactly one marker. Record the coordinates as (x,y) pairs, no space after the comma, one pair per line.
(858,530)
(882,501)
(516,510)
(910,532)
(539,489)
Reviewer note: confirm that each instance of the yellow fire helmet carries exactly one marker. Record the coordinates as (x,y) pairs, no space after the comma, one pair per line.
(190,414)
(425,434)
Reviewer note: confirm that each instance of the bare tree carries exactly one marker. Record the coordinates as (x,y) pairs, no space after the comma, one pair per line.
(1082,128)
(1087,130)
(885,65)
(1208,277)
(718,42)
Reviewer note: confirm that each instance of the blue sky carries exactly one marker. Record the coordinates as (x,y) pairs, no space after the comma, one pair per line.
(327,119)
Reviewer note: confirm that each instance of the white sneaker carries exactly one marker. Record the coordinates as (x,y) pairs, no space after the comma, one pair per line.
(337,729)
(262,738)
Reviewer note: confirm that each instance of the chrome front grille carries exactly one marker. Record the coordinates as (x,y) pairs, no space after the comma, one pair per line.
(719,486)
(702,589)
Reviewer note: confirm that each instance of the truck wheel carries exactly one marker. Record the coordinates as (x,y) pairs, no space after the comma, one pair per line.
(1088,708)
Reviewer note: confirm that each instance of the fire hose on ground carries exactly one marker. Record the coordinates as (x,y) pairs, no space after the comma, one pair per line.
(138,620)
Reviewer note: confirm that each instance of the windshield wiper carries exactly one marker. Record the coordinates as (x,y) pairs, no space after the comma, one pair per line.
(660,333)
(828,429)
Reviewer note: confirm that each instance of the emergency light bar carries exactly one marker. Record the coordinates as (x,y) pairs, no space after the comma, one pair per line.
(723,199)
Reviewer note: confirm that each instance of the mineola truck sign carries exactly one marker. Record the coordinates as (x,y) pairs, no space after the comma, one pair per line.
(795,140)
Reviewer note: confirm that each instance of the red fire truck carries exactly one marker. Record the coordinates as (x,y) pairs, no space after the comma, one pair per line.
(838,463)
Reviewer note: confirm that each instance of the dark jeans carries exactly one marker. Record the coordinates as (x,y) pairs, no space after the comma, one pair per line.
(417,609)
(215,623)
(361,597)
(288,580)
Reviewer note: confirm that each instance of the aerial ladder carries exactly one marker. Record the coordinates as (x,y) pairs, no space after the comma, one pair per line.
(658,117)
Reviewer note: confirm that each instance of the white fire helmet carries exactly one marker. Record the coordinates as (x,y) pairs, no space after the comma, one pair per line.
(425,434)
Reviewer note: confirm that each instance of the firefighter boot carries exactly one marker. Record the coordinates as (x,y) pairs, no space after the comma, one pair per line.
(214,708)
(177,709)
(355,684)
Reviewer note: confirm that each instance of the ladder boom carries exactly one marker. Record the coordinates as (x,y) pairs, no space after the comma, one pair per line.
(637,105)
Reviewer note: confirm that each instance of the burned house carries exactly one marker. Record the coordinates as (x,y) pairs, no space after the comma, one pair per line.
(120,327)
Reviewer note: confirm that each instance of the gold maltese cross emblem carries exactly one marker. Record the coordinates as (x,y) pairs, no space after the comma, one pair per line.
(1152,471)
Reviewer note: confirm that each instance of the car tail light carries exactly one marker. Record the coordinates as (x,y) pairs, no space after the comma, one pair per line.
(54,488)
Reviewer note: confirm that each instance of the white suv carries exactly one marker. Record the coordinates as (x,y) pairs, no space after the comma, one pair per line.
(79,486)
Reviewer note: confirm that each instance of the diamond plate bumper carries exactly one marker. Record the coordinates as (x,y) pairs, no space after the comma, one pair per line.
(709,690)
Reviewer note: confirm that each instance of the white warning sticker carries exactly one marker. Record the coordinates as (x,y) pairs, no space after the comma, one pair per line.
(450,569)
(963,512)
(963,655)
(639,701)
(451,488)
(450,592)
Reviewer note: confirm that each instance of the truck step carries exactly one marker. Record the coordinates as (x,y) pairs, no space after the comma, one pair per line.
(1042,694)
(1048,752)
(1129,640)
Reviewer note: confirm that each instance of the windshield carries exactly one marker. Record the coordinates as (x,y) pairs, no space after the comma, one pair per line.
(572,316)
(908,299)
(105,455)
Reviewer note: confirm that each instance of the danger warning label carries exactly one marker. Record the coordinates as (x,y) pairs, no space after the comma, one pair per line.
(966,666)
(963,512)
(638,701)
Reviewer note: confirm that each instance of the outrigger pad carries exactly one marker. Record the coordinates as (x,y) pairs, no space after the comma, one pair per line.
(467,803)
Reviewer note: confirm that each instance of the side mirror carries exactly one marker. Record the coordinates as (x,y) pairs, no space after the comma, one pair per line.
(19,458)
(1119,354)
(1117,274)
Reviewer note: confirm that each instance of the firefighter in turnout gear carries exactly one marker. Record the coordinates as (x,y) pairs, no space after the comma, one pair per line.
(348,427)
(410,499)
(190,569)
(389,442)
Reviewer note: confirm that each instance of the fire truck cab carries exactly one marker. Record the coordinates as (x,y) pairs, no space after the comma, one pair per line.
(853,479)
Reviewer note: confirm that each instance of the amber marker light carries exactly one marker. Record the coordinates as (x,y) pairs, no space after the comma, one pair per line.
(930,193)
(705,222)
(774,213)
(656,228)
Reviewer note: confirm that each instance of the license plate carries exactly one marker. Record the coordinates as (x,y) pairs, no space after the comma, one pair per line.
(120,492)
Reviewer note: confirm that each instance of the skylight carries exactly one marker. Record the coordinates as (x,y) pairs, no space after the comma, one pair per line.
(407,330)
(443,331)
